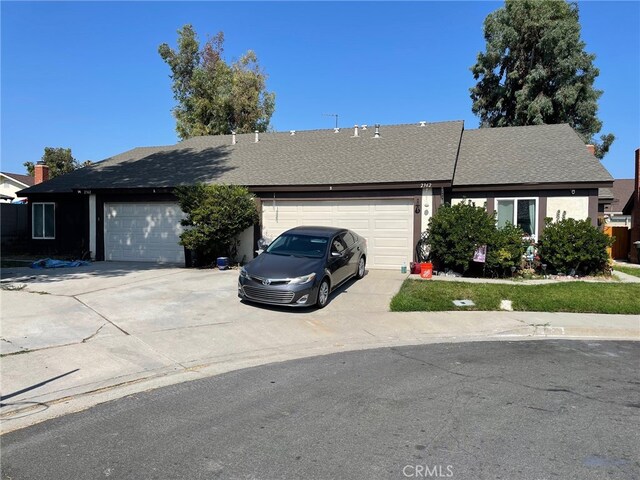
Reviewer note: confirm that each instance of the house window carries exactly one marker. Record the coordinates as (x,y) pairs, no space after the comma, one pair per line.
(518,211)
(44,220)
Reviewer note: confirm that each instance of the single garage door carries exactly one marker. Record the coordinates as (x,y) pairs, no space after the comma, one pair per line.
(386,224)
(143,232)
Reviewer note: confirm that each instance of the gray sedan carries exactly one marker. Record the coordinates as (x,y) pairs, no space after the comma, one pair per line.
(302,266)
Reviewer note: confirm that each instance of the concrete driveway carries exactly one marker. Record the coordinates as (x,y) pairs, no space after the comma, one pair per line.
(70,336)
(56,307)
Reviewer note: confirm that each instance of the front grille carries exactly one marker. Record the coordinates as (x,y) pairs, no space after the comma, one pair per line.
(268,294)
(270,281)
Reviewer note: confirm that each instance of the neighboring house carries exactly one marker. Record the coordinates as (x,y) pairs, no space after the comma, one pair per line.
(11,183)
(385,183)
(632,208)
(614,222)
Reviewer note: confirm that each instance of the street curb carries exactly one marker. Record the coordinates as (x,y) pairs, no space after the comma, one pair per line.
(52,406)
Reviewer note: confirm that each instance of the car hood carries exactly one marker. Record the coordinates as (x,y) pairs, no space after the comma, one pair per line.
(269,265)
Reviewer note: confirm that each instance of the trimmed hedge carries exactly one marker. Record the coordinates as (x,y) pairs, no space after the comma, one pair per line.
(574,246)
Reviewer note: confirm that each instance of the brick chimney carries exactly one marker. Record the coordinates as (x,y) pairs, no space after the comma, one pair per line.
(592,149)
(41,173)
(635,214)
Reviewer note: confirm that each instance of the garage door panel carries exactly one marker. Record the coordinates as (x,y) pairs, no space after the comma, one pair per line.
(391,224)
(387,225)
(316,209)
(393,261)
(391,242)
(145,232)
(352,208)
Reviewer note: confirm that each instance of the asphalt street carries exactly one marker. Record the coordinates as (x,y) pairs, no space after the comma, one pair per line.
(534,410)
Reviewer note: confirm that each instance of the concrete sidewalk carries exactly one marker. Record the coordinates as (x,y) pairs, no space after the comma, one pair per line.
(76,338)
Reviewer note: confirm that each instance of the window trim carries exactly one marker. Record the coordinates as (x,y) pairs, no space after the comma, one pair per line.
(33,219)
(515,212)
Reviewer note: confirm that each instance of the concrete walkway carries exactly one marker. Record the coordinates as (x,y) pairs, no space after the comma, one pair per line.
(74,338)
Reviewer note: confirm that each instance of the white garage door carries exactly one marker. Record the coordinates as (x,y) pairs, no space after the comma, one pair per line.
(386,224)
(143,232)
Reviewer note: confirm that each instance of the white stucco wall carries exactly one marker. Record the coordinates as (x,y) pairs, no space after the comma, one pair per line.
(427,207)
(245,249)
(576,207)
(92,225)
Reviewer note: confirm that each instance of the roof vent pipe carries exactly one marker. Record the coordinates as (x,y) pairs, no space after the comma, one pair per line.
(377,134)
(233,138)
(364,126)
(292,132)
(257,139)
(423,123)
(355,130)
(336,130)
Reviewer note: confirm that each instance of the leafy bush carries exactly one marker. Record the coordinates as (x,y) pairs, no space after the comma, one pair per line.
(570,244)
(505,249)
(455,232)
(217,214)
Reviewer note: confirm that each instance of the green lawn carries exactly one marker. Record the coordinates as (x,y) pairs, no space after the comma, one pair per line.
(629,270)
(578,297)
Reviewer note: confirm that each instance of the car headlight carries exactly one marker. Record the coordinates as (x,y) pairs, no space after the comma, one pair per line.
(302,279)
(243,272)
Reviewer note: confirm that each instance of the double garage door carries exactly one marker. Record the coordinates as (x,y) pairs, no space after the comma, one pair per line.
(150,231)
(386,224)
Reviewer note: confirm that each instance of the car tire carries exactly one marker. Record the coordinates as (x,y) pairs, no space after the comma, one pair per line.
(362,263)
(323,293)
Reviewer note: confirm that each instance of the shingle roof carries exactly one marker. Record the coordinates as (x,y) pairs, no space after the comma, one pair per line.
(25,179)
(605,194)
(532,154)
(403,153)
(620,193)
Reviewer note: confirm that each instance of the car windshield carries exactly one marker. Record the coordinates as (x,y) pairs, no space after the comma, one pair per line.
(299,245)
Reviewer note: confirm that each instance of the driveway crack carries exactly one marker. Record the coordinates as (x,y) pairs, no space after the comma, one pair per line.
(22,349)
(84,340)
(100,315)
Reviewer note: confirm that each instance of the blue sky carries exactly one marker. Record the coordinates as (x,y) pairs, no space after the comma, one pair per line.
(88,76)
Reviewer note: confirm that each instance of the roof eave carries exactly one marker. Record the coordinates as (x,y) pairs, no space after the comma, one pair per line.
(533,186)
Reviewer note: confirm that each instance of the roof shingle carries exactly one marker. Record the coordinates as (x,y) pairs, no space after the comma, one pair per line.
(521,155)
(403,153)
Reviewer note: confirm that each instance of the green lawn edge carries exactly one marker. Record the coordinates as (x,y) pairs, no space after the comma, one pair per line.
(572,297)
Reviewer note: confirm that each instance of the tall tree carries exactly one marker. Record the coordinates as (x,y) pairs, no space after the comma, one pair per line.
(59,161)
(535,70)
(214,97)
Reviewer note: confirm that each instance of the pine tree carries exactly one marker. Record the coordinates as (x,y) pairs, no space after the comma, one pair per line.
(535,70)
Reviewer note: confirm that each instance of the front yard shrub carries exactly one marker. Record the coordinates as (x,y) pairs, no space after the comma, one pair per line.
(455,232)
(505,250)
(216,215)
(574,246)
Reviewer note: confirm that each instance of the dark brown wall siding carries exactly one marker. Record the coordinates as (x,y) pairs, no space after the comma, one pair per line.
(542,214)
(72,226)
(593,207)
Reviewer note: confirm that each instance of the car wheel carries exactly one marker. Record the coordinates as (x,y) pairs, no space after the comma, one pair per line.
(323,293)
(361,264)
